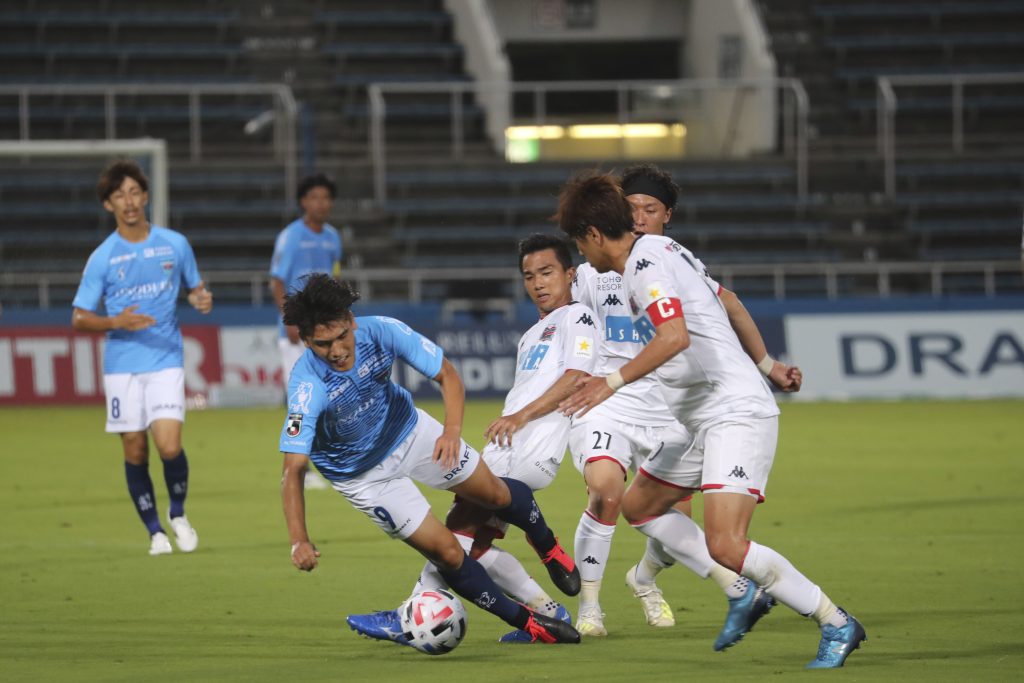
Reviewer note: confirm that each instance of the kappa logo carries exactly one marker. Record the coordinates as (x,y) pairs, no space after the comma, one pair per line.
(738,472)
(548,333)
(611,300)
(294,424)
(586,320)
(299,400)
(590,559)
(641,264)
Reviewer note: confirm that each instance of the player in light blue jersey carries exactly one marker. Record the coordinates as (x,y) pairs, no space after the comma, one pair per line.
(136,273)
(306,245)
(364,434)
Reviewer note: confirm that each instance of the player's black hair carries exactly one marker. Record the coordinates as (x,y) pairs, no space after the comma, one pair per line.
(593,199)
(539,242)
(114,174)
(650,180)
(321,301)
(317,180)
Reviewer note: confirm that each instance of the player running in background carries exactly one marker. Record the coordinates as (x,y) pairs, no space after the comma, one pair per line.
(635,424)
(710,386)
(364,434)
(137,273)
(306,245)
(528,441)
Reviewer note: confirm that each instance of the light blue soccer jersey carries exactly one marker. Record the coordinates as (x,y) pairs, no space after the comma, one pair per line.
(148,274)
(299,251)
(348,422)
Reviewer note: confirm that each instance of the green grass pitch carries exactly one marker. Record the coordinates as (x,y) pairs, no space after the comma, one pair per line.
(909,514)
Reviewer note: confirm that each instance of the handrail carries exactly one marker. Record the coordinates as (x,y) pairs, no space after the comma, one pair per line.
(366,278)
(540,89)
(285,109)
(888,105)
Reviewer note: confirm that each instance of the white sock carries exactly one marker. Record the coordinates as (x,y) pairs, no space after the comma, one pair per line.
(654,561)
(512,578)
(590,594)
(732,584)
(828,613)
(430,579)
(593,544)
(682,539)
(775,574)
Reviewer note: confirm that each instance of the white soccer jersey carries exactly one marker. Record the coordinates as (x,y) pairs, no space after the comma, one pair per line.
(640,402)
(714,377)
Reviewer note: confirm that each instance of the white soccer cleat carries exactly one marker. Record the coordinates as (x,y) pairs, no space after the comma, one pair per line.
(314,481)
(184,535)
(656,609)
(159,544)
(590,622)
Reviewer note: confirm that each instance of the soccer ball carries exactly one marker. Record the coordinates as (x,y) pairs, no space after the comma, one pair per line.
(433,621)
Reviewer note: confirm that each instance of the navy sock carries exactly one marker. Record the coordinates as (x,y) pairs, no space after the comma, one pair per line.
(140,488)
(472,582)
(524,513)
(176,477)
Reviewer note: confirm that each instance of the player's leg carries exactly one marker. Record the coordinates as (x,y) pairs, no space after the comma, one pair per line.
(738,457)
(605,480)
(164,395)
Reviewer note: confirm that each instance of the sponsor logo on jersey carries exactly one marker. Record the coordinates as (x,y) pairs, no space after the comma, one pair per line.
(154,252)
(673,246)
(458,468)
(583,348)
(641,264)
(294,424)
(168,267)
(548,333)
(611,300)
(585,319)
(298,402)
(338,390)
(122,258)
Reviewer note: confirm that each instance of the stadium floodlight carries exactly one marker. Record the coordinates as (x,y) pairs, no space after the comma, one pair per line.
(153,149)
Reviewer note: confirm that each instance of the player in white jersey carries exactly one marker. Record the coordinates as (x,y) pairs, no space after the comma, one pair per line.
(635,424)
(711,387)
(528,441)
(136,273)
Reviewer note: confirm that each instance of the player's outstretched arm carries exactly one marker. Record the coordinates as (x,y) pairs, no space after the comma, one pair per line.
(87,321)
(785,377)
(453,395)
(293,500)
(201,299)
(670,338)
(501,430)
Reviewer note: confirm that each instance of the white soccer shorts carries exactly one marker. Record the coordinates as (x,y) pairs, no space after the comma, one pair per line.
(386,493)
(627,445)
(134,401)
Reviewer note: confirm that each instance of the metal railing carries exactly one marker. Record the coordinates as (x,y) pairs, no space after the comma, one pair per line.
(782,277)
(794,111)
(284,108)
(888,105)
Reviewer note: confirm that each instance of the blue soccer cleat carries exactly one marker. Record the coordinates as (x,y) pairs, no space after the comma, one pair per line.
(378,625)
(743,614)
(521,636)
(838,643)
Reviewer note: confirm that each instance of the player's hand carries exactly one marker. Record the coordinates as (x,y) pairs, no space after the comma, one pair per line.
(591,392)
(787,378)
(129,320)
(293,333)
(304,556)
(201,300)
(501,430)
(446,449)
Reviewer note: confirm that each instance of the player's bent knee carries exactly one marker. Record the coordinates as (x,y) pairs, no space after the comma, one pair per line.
(449,556)
(727,551)
(605,506)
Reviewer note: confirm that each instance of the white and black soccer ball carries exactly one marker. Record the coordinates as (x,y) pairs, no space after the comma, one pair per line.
(434,621)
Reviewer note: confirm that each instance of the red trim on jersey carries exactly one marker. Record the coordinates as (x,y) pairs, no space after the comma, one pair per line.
(607,457)
(719,292)
(753,492)
(590,514)
(662,481)
(664,309)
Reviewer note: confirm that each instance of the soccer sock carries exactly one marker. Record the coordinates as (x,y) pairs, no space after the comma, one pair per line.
(176,478)
(681,538)
(430,579)
(593,544)
(781,579)
(828,614)
(472,583)
(140,488)
(732,584)
(524,513)
(654,561)
(512,577)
